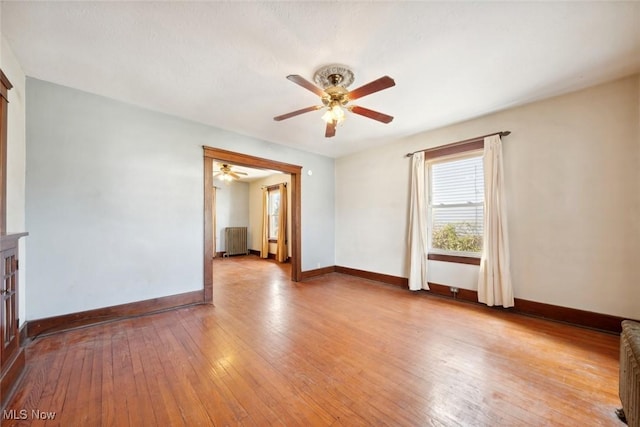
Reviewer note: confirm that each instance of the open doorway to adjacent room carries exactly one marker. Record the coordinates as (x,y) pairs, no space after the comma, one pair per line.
(243,197)
(251,212)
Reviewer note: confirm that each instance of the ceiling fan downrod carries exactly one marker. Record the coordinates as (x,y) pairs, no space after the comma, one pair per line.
(335,79)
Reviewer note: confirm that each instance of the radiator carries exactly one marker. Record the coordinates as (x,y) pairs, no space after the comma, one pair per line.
(236,241)
(630,372)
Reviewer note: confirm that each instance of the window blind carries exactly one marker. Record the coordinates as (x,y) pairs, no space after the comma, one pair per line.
(457,182)
(457,196)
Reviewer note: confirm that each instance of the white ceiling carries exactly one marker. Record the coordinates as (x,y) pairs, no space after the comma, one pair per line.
(225,63)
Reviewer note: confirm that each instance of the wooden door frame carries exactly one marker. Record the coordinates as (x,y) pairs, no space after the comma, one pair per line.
(5,86)
(211,154)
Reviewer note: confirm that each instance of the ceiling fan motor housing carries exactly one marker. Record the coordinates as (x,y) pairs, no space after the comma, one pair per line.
(335,94)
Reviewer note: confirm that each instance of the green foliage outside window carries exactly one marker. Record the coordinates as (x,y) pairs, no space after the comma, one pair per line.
(460,237)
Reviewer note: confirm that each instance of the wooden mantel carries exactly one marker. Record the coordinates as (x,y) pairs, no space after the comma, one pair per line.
(8,240)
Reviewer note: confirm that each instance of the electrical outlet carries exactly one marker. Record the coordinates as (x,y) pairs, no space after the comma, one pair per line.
(453,290)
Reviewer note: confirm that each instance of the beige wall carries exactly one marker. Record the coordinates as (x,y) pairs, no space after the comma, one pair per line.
(573,184)
(16,146)
(255,210)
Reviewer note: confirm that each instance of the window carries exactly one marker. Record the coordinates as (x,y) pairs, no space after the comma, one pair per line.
(456,205)
(274,207)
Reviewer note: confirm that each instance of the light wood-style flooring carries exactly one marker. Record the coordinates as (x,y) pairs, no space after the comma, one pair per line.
(331,351)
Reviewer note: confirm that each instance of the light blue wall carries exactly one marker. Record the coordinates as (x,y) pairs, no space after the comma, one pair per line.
(114,200)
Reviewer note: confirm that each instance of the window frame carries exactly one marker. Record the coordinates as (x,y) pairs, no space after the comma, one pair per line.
(270,190)
(447,153)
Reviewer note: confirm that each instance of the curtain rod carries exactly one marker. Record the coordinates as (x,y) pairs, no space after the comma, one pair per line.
(273,185)
(464,141)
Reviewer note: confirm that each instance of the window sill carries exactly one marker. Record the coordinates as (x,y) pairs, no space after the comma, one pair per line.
(455,258)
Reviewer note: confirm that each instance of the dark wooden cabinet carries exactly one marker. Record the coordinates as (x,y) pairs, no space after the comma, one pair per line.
(12,359)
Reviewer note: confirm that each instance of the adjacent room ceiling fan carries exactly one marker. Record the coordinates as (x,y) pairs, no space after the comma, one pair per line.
(334,95)
(226,174)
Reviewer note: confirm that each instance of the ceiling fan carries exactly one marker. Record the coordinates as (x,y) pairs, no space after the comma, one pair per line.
(334,95)
(226,174)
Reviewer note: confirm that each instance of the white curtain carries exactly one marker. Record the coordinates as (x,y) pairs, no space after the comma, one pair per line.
(418,223)
(494,281)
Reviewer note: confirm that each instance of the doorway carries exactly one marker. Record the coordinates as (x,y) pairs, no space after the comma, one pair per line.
(211,154)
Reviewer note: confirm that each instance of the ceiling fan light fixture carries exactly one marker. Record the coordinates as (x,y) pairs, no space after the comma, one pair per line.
(334,113)
(225,174)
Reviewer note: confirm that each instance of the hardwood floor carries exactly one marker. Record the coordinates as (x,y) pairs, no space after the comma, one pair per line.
(332,351)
